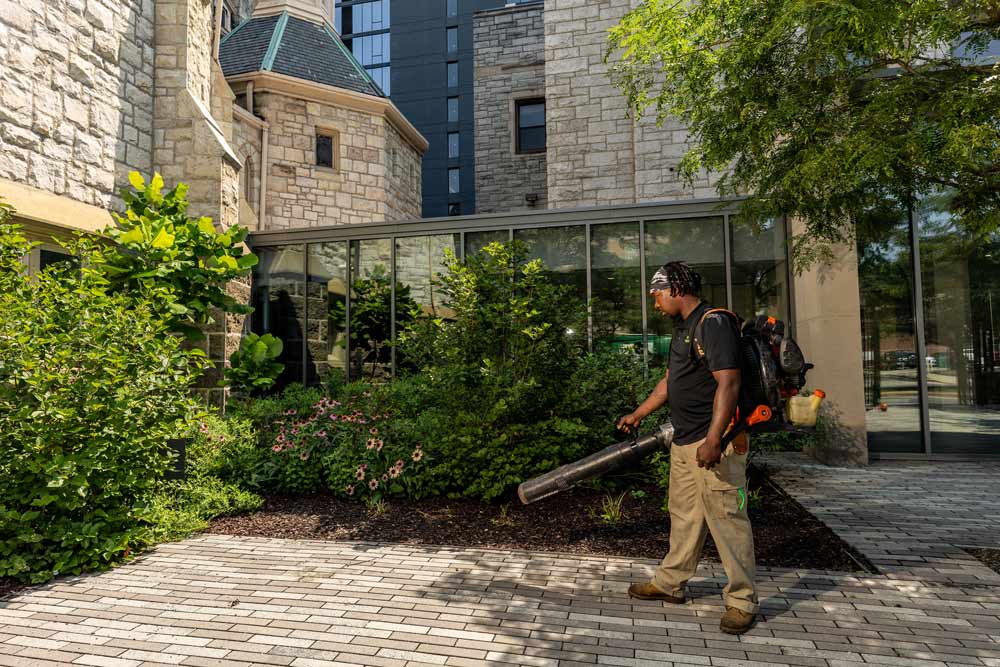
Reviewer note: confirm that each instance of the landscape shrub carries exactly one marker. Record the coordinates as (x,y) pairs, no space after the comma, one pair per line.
(220,455)
(181,264)
(92,385)
(254,366)
(497,372)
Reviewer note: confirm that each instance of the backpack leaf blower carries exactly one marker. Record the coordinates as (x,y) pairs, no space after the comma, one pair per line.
(773,370)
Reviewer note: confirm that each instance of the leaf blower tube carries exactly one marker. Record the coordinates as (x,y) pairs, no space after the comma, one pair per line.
(604,461)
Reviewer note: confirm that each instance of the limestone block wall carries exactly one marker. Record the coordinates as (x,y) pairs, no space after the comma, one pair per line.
(192,111)
(247,145)
(509,65)
(300,194)
(597,155)
(76,95)
(403,176)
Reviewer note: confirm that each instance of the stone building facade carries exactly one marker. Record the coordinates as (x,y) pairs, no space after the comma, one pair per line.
(509,67)
(376,178)
(596,154)
(91,90)
(76,96)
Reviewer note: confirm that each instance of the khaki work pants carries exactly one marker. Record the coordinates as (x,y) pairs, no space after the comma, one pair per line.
(715,500)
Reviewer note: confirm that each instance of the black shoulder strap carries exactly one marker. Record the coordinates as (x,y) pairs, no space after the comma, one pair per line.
(697,351)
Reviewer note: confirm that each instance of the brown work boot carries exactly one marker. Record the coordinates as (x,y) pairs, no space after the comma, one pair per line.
(651,592)
(736,621)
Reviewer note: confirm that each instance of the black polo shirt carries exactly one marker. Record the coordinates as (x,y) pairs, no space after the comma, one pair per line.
(691,385)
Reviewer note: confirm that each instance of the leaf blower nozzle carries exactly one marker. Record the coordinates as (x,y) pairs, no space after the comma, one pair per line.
(608,459)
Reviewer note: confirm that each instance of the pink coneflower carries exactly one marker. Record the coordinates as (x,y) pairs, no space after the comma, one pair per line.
(203,427)
(370,444)
(393,472)
(349,490)
(399,464)
(378,445)
(276,449)
(385,477)
(320,434)
(333,418)
(417,454)
(295,431)
(373,430)
(222,438)
(289,413)
(373,484)
(304,455)
(359,474)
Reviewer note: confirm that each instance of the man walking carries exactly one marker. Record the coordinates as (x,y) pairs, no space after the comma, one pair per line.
(707,484)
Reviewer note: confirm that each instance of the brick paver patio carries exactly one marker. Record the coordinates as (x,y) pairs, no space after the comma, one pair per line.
(223,601)
(909,518)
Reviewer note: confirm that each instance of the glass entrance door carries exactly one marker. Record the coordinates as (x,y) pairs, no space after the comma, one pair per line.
(889,337)
(960,278)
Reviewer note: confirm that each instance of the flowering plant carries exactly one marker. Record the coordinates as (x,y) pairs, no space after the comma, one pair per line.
(348,444)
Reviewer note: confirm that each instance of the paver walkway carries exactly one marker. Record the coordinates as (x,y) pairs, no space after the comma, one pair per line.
(909,518)
(224,601)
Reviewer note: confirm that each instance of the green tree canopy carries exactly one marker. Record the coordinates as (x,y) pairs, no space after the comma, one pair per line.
(832,110)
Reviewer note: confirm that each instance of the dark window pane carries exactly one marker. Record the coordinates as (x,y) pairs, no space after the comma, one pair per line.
(961,276)
(616,287)
(563,250)
(452,75)
(531,115)
(452,40)
(455,209)
(531,139)
(453,181)
(476,241)
(452,109)
(453,144)
(50,257)
(326,297)
(371,328)
(888,336)
(278,285)
(324,150)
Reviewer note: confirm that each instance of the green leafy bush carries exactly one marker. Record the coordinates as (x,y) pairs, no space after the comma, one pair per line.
(254,366)
(183,507)
(92,385)
(497,373)
(181,263)
(218,448)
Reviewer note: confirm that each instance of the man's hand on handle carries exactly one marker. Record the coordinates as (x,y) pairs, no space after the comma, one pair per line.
(629,423)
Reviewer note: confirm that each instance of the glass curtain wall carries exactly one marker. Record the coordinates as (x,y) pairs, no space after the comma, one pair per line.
(279,305)
(371,308)
(476,241)
(889,337)
(420,261)
(760,270)
(701,243)
(616,287)
(563,251)
(326,307)
(960,280)
(314,297)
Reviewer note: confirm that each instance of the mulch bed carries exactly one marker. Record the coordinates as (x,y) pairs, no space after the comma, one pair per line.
(989,557)
(785,534)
